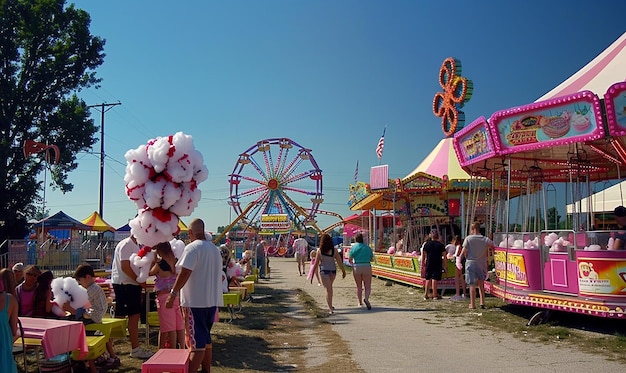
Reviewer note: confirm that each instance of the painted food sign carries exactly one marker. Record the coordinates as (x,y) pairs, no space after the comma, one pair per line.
(473,143)
(515,269)
(598,276)
(615,101)
(558,121)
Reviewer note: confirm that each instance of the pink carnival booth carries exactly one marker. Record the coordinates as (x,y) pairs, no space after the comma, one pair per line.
(573,136)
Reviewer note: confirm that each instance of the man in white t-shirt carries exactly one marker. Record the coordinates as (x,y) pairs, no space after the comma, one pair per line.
(128,293)
(199,281)
(301,251)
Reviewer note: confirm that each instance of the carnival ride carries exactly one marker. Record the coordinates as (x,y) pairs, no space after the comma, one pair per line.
(434,195)
(280,195)
(573,139)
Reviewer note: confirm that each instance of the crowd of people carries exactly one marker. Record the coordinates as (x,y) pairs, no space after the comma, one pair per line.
(189,288)
(188,294)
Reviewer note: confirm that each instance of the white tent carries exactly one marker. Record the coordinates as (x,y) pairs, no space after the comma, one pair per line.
(603,201)
(598,75)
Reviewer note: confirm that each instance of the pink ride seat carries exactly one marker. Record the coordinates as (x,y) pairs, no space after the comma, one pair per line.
(167,360)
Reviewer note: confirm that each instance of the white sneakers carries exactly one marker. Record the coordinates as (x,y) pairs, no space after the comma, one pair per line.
(140,353)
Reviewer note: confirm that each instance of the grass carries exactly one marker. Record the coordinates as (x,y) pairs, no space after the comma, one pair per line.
(585,333)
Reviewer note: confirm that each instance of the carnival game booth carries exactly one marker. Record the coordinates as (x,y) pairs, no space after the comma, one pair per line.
(558,140)
(98,242)
(57,242)
(422,201)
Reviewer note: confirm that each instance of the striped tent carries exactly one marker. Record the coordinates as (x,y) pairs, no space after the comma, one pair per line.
(97,224)
(442,160)
(598,75)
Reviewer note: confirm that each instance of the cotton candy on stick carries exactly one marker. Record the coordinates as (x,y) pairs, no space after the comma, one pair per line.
(162,179)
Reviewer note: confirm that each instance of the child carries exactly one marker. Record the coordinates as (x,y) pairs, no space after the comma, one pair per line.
(312,256)
(85,276)
(459,279)
(170,319)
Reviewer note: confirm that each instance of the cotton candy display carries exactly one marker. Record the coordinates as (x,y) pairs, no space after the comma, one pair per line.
(67,289)
(234,269)
(162,180)
(141,263)
(177,247)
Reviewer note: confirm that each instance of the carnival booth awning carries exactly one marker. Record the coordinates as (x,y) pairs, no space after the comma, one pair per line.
(182,226)
(61,220)
(97,224)
(561,133)
(362,219)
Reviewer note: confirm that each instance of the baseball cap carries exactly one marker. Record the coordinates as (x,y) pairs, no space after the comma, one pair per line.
(18,267)
(620,211)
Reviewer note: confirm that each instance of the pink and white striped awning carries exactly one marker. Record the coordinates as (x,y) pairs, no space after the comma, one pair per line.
(608,68)
(442,160)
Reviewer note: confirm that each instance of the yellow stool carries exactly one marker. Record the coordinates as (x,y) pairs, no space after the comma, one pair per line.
(230,301)
(153,318)
(96,344)
(248,285)
(253,278)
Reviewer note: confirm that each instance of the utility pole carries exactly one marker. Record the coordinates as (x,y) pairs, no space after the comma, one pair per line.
(103,108)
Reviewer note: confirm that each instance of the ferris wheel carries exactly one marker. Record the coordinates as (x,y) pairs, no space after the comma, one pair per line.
(290,184)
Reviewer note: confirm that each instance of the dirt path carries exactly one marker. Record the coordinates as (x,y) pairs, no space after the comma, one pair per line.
(405,333)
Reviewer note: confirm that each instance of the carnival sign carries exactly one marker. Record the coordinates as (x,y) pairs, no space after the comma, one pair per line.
(457,90)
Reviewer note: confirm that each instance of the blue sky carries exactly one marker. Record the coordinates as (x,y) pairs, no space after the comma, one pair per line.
(327,74)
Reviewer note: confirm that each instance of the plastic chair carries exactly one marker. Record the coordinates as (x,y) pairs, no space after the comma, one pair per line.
(21,347)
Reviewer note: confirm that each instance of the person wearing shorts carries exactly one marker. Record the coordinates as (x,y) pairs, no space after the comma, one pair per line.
(433,259)
(301,248)
(199,282)
(327,260)
(128,293)
(171,331)
(360,256)
(476,251)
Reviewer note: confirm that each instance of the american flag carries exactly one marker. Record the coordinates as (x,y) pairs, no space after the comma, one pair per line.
(381,145)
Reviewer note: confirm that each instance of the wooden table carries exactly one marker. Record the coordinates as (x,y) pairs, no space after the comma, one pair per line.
(57,336)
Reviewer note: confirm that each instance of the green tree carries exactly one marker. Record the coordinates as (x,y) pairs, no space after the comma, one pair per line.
(553,218)
(47,55)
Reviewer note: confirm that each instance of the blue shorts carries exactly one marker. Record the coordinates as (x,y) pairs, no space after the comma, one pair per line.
(198,323)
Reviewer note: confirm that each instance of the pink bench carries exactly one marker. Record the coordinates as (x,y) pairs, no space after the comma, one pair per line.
(167,360)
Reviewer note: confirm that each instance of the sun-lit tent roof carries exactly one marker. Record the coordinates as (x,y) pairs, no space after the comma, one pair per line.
(96,223)
(182,226)
(603,201)
(60,220)
(442,160)
(598,75)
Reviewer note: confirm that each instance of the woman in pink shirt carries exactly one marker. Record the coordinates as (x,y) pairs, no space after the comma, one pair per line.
(25,291)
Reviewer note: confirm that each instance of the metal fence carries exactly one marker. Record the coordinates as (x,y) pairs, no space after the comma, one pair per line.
(61,257)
